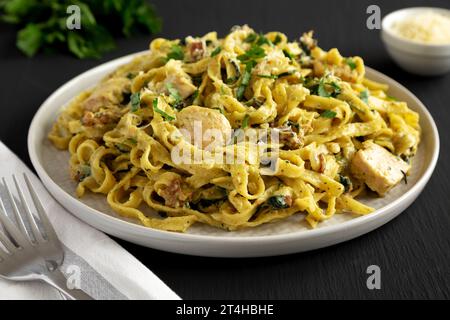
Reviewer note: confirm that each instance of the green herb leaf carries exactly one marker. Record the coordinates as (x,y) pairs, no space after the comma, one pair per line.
(175,95)
(245,121)
(321,91)
(268,76)
(391,98)
(346,182)
(263,40)
(253,53)
(277,40)
(289,55)
(216,51)
(278,202)
(135,99)
(245,80)
(250,38)
(195,95)
(351,63)
(165,115)
(29,39)
(83,171)
(132,141)
(364,96)
(328,114)
(176,53)
(327,90)
(43,24)
(285,74)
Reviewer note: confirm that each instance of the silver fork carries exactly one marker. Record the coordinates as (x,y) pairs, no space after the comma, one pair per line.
(31,255)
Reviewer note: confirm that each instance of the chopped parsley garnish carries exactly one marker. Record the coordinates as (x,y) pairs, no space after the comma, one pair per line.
(132,141)
(327,90)
(287,73)
(277,40)
(346,182)
(245,79)
(245,121)
(250,38)
(251,54)
(276,76)
(130,75)
(83,172)
(165,115)
(195,94)
(391,98)
(278,202)
(364,96)
(328,114)
(175,95)
(216,51)
(289,55)
(268,76)
(135,99)
(176,53)
(351,63)
(263,40)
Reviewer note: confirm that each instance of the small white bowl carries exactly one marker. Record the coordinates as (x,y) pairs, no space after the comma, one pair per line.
(415,57)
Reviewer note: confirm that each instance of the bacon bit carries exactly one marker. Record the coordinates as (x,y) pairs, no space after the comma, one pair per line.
(322,163)
(288,200)
(196,50)
(88,119)
(174,196)
(91,119)
(290,139)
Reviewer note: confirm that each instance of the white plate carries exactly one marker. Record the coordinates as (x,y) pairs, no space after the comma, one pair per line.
(283,237)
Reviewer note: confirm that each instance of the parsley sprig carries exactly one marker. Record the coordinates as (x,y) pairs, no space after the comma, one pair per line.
(164,114)
(249,58)
(175,95)
(43,24)
(176,52)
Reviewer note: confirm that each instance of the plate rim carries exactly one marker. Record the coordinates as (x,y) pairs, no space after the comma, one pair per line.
(137,229)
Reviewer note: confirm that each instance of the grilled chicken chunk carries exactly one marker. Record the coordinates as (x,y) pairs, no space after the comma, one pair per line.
(378,168)
(213,126)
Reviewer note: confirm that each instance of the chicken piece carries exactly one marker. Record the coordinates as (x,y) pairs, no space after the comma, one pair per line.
(378,168)
(107,94)
(213,126)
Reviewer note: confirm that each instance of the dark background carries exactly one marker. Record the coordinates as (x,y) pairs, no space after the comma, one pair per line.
(413,251)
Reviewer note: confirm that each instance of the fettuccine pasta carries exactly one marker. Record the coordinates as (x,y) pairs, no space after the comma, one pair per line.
(237,132)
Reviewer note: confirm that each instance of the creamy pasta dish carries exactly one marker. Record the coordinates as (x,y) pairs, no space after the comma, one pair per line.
(236,132)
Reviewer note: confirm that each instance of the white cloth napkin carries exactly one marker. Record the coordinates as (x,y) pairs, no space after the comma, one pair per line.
(106,270)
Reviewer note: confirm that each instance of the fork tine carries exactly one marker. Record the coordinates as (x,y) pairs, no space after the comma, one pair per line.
(31,219)
(48,228)
(10,228)
(6,243)
(19,218)
(3,255)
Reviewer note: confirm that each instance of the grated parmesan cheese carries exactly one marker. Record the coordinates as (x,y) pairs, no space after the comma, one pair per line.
(427,27)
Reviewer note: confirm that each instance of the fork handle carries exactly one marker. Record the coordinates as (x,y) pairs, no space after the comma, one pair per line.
(58,280)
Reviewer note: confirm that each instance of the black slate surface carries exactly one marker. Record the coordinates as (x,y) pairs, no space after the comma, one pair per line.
(413,251)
